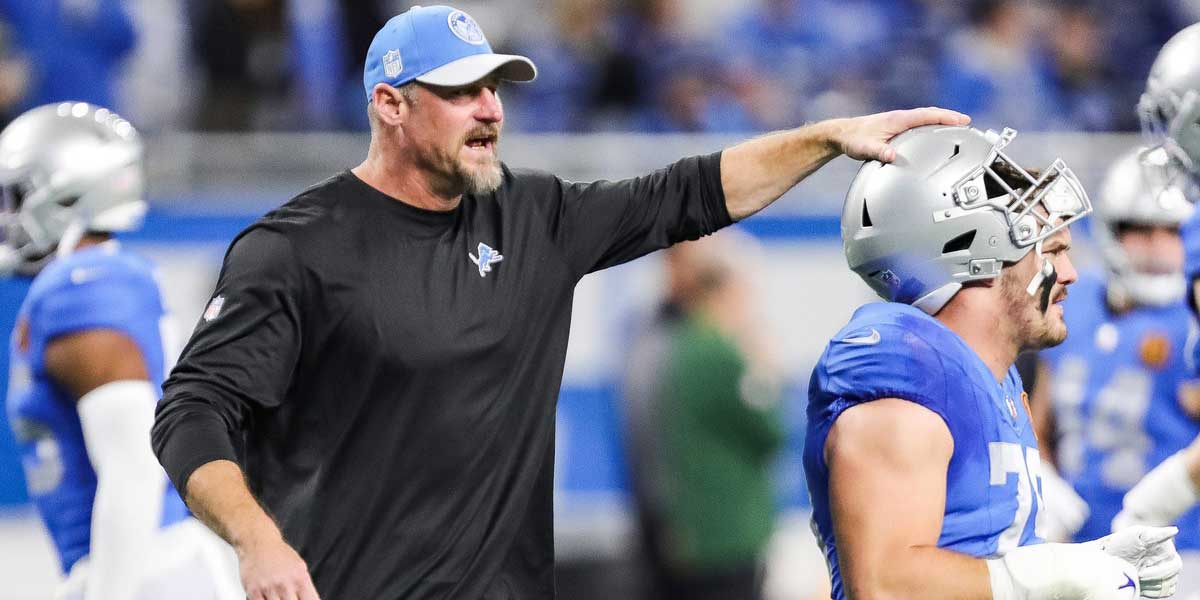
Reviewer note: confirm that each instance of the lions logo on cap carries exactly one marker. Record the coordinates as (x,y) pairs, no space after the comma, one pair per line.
(466,28)
(392,66)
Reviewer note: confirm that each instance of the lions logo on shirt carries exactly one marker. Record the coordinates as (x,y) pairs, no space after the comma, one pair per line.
(487,257)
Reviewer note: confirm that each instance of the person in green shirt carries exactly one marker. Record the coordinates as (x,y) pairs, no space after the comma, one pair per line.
(717,428)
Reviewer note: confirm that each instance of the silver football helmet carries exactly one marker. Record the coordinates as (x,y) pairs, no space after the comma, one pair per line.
(1137,191)
(952,208)
(1170,107)
(66,169)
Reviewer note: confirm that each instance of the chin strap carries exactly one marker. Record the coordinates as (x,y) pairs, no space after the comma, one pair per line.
(1044,280)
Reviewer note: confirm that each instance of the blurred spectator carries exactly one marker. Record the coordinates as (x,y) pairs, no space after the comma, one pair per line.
(156,88)
(73,47)
(1080,71)
(241,49)
(692,96)
(573,52)
(993,70)
(703,424)
(14,75)
(328,41)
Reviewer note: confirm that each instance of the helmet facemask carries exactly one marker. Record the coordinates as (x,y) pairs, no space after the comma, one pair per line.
(1172,122)
(1036,208)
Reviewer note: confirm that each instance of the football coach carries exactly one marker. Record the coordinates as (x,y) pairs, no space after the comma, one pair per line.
(366,408)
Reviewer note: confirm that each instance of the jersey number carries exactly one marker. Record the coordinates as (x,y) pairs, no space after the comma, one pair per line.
(1114,425)
(1011,458)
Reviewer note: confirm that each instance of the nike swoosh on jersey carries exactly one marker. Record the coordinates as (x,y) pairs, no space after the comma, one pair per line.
(866,340)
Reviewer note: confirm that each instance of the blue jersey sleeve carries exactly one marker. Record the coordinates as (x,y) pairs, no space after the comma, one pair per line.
(94,297)
(901,364)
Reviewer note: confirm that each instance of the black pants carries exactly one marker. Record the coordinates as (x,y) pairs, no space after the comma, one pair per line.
(738,583)
(665,581)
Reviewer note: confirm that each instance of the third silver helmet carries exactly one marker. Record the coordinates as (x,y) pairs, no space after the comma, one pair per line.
(1138,191)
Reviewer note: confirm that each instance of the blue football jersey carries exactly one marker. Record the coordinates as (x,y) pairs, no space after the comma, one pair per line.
(97,287)
(1190,232)
(1115,397)
(993,486)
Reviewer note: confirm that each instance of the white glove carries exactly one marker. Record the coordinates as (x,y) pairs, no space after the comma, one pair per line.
(1161,497)
(1152,551)
(1066,512)
(1062,572)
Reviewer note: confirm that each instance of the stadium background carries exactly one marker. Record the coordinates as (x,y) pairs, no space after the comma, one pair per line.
(245,102)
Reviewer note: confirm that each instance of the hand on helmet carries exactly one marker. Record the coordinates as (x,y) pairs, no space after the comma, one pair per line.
(866,137)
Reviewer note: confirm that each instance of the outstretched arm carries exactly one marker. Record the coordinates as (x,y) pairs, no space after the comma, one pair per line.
(1165,493)
(757,172)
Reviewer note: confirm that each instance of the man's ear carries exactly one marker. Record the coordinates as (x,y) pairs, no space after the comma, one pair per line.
(389,104)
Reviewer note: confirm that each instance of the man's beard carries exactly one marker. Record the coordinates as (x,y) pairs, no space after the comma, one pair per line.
(483,179)
(1033,328)
(453,175)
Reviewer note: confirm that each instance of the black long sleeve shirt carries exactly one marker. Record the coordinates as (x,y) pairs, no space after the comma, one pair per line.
(388,384)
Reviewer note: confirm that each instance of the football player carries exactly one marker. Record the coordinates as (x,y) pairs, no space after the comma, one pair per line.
(1114,399)
(920,454)
(1170,115)
(87,360)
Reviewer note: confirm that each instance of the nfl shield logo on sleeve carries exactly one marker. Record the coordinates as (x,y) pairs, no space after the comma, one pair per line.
(392,66)
(214,308)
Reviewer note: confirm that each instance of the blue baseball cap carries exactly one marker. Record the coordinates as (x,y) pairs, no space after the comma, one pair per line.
(437,45)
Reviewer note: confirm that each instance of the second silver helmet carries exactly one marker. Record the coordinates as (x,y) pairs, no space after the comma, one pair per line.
(1138,191)
(1170,107)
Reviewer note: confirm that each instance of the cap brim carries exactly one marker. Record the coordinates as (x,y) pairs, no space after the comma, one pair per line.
(470,69)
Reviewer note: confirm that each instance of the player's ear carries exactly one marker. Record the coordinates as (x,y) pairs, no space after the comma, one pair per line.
(389,104)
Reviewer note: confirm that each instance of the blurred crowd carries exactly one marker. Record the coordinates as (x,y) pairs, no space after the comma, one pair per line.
(606,65)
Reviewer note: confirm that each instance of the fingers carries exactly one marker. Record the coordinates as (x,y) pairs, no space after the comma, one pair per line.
(301,590)
(307,590)
(932,115)
(883,153)
(1157,535)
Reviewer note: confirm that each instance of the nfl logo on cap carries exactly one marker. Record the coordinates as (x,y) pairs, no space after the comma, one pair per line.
(391,63)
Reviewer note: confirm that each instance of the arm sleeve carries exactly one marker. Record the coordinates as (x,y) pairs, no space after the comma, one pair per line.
(239,360)
(116,419)
(605,223)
